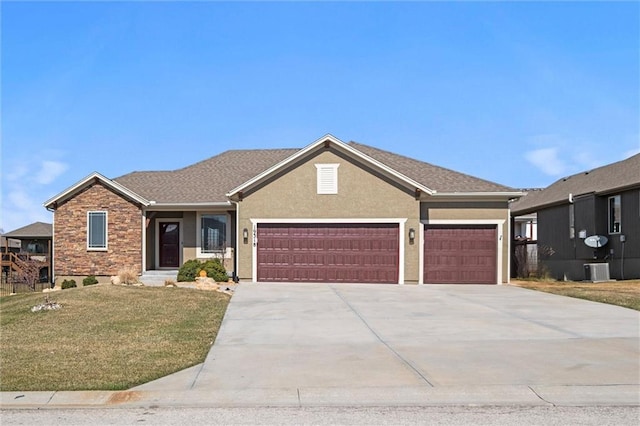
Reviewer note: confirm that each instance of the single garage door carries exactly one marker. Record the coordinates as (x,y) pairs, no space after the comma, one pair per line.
(460,254)
(336,253)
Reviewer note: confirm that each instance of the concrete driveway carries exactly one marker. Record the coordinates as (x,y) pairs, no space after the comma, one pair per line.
(380,345)
(412,344)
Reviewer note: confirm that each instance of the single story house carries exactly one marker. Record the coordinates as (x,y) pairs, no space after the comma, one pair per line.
(329,212)
(589,223)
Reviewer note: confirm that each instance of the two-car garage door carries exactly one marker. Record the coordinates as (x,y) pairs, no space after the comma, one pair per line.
(338,253)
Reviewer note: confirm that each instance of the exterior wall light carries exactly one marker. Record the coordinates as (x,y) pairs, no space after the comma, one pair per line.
(245,235)
(412,235)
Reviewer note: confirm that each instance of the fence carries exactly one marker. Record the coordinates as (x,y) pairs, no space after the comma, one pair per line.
(7,288)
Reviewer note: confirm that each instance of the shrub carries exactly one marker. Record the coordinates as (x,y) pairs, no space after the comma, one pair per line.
(189,270)
(90,280)
(213,267)
(68,284)
(128,276)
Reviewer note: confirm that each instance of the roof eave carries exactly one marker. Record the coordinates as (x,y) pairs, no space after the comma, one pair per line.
(187,206)
(234,193)
(94,177)
(484,195)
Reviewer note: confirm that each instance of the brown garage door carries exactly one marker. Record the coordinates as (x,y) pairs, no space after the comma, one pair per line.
(460,255)
(342,253)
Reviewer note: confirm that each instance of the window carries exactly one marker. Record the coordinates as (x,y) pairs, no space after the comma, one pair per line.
(614,215)
(327,178)
(96,230)
(572,221)
(213,232)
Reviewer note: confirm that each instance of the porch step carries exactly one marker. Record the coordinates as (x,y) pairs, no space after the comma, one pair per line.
(157,278)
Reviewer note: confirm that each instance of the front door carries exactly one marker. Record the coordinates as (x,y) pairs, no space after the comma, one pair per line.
(169,244)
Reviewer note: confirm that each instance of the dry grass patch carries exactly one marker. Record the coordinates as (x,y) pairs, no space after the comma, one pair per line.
(105,337)
(621,293)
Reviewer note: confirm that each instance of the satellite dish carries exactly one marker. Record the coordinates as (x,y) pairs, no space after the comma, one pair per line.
(596,241)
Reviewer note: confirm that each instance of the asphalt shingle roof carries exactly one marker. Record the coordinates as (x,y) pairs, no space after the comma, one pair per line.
(210,179)
(34,230)
(206,181)
(605,179)
(433,177)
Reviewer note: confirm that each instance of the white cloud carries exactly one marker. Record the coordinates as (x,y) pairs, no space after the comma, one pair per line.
(49,171)
(19,208)
(547,160)
(25,186)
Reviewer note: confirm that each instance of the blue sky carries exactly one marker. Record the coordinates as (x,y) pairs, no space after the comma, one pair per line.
(517,93)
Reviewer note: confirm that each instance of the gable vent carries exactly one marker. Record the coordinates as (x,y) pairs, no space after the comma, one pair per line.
(327,178)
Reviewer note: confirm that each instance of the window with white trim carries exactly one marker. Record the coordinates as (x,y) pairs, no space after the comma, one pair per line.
(213,232)
(615,213)
(327,178)
(97,230)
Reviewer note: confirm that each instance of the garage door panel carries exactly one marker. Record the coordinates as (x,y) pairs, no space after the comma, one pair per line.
(328,252)
(460,254)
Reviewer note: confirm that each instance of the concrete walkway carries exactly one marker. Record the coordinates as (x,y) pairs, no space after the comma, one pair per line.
(314,345)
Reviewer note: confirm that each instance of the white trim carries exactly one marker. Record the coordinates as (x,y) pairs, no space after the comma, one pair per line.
(227,237)
(144,241)
(463,221)
(401,238)
(508,240)
(236,253)
(342,146)
(499,223)
(187,206)
(421,253)
(106,230)
(87,180)
(509,194)
(52,273)
(157,241)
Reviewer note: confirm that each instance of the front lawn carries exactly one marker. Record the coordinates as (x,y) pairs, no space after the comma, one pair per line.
(105,337)
(621,293)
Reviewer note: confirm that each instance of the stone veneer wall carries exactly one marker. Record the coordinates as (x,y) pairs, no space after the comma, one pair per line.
(124,235)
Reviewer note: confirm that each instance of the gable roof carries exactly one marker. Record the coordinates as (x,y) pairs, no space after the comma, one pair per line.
(419,176)
(90,180)
(205,182)
(602,180)
(212,181)
(326,142)
(34,230)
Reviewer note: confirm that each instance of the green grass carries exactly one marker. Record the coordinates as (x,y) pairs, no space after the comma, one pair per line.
(105,337)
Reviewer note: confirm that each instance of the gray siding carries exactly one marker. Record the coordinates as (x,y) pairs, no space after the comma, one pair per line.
(591,215)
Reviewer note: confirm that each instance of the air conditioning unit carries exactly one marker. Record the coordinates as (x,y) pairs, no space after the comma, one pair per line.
(596,272)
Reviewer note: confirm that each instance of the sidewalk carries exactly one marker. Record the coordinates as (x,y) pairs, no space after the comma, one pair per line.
(507,395)
(361,345)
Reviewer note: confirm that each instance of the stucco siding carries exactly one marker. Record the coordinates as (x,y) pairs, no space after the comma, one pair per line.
(361,195)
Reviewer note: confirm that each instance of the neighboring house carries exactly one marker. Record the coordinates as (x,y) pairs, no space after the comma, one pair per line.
(28,258)
(575,211)
(330,212)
